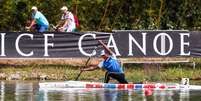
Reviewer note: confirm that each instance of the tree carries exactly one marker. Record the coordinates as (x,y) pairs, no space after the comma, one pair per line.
(106,15)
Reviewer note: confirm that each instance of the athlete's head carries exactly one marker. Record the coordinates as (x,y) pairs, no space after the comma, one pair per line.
(103,54)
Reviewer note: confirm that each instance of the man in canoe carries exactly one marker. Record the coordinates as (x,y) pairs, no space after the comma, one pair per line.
(110,64)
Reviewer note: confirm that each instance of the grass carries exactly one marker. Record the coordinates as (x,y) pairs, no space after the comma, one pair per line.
(136,73)
(67,72)
(56,70)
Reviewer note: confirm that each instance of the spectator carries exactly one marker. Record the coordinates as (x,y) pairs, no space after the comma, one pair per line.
(67,22)
(39,23)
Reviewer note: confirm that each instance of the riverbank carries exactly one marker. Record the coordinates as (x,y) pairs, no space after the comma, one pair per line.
(51,70)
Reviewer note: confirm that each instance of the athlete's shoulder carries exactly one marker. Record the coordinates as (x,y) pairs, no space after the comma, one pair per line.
(113,56)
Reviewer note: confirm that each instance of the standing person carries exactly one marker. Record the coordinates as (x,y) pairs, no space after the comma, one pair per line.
(67,22)
(110,64)
(39,22)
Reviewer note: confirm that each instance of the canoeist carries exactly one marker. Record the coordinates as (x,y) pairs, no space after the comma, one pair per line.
(110,64)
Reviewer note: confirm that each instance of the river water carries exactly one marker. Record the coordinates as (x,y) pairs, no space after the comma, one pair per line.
(29,91)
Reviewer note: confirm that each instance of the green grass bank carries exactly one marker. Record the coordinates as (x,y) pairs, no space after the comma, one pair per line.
(133,72)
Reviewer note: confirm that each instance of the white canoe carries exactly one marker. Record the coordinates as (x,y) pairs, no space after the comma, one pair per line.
(81,84)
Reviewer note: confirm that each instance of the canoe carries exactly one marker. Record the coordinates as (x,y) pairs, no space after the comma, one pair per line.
(81,84)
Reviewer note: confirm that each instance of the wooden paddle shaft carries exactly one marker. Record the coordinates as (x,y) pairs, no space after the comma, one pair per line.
(82,71)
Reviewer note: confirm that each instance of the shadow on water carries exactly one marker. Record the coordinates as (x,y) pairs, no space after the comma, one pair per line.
(29,91)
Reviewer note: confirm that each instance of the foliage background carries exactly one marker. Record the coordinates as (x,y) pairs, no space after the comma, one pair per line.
(107,15)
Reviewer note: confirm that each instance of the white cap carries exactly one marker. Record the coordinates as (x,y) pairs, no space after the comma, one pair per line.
(102,52)
(34,8)
(64,8)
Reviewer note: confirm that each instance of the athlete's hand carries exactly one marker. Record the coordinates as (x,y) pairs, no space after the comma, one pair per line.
(100,41)
(82,69)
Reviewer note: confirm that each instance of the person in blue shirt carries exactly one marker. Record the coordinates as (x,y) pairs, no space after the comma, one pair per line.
(110,64)
(39,21)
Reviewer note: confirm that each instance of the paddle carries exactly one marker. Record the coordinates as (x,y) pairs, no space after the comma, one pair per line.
(93,53)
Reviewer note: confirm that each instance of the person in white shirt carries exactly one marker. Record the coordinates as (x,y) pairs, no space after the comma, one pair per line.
(67,22)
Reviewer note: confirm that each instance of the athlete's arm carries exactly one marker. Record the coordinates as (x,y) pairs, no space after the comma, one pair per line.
(106,48)
(90,68)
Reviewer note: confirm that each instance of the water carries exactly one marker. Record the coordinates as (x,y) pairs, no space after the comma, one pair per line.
(29,91)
